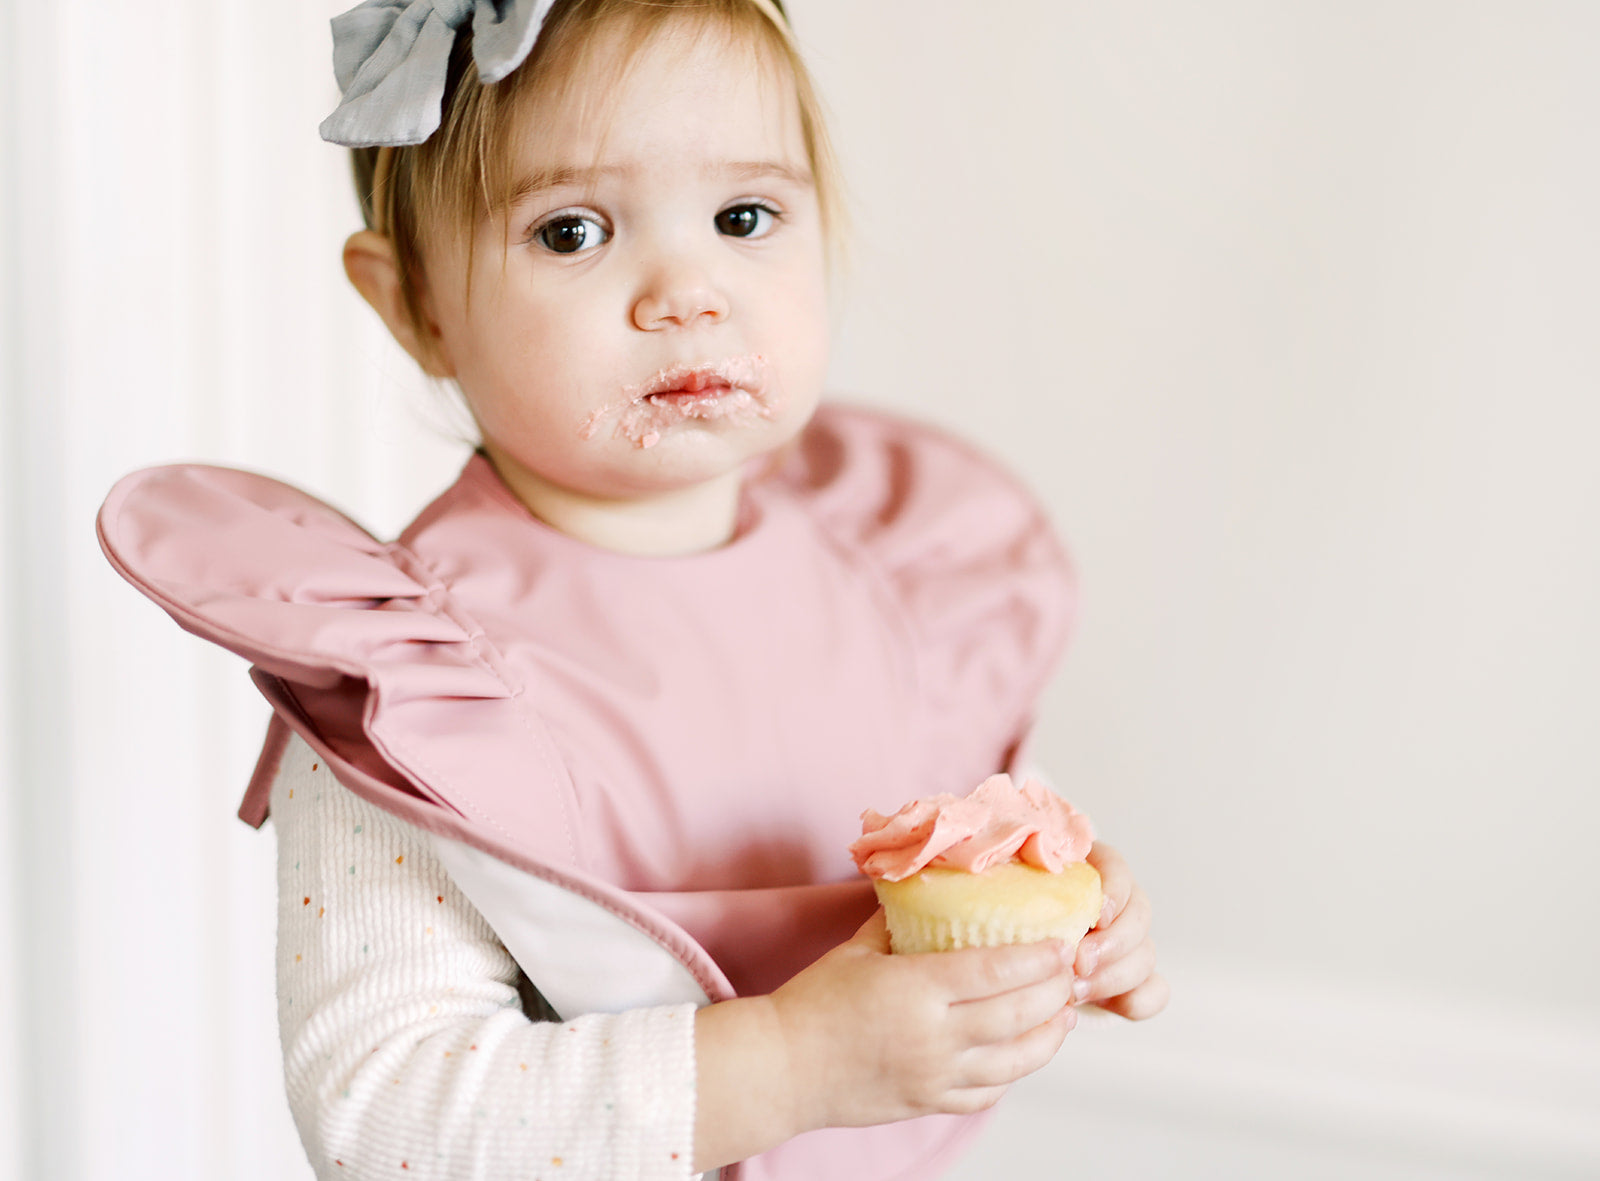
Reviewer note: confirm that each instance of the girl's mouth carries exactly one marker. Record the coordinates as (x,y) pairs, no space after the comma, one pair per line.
(737,390)
(697,386)
(671,384)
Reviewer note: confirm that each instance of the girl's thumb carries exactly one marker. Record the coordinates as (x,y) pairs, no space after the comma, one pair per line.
(873,934)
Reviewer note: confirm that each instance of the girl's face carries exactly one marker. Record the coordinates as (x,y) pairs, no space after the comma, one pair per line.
(653,313)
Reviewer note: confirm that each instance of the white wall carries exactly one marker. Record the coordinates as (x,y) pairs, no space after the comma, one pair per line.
(1287,311)
(1290,312)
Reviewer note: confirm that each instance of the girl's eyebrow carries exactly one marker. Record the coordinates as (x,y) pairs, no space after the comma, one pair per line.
(559,177)
(762,170)
(562,176)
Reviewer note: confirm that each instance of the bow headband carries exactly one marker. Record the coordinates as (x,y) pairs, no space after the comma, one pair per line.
(391,58)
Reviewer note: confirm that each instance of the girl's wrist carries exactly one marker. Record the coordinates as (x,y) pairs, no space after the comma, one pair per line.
(750,1096)
(802,1059)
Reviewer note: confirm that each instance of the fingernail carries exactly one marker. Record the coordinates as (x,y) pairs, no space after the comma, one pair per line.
(1067,954)
(1080,990)
(1090,956)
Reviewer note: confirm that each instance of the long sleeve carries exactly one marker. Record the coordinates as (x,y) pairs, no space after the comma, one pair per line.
(407,1053)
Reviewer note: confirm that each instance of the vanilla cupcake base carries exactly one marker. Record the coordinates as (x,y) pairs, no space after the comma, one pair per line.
(946,909)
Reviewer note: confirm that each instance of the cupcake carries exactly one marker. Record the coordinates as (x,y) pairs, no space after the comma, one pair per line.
(1003,865)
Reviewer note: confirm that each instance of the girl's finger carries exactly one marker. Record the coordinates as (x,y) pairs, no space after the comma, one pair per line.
(1144,1001)
(1116,881)
(977,972)
(1003,1064)
(971,1100)
(1105,945)
(1119,976)
(999,1019)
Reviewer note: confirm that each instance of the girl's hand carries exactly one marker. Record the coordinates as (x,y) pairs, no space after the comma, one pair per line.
(864,1037)
(1116,961)
(874,1037)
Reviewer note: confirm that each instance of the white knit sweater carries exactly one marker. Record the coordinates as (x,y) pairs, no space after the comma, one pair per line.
(406,1049)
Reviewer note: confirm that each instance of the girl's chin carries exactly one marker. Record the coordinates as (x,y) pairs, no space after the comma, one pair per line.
(678,455)
(721,414)
(682,444)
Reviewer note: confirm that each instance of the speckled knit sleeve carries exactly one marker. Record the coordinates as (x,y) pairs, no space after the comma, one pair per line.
(406,1050)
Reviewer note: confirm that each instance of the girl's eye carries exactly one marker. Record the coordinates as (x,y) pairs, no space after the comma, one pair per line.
(746,221)
(570,234)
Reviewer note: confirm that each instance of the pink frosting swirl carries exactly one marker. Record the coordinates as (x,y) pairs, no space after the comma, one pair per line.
(996,823)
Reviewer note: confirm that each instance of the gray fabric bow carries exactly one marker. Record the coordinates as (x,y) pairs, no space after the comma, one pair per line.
(391,58)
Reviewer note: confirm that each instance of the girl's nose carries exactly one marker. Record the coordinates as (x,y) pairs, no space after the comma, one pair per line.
(677,297)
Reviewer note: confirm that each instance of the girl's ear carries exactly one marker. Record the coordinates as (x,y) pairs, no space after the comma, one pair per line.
(370,264)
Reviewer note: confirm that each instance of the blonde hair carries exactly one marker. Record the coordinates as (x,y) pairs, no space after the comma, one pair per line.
(464,171)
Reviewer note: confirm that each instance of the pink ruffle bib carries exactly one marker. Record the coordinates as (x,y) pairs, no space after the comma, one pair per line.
(688,742)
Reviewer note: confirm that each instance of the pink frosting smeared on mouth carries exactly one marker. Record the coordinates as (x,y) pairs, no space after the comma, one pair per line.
(737,388)
(998,822)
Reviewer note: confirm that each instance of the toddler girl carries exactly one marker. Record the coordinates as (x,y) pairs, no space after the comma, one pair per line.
(563,779)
